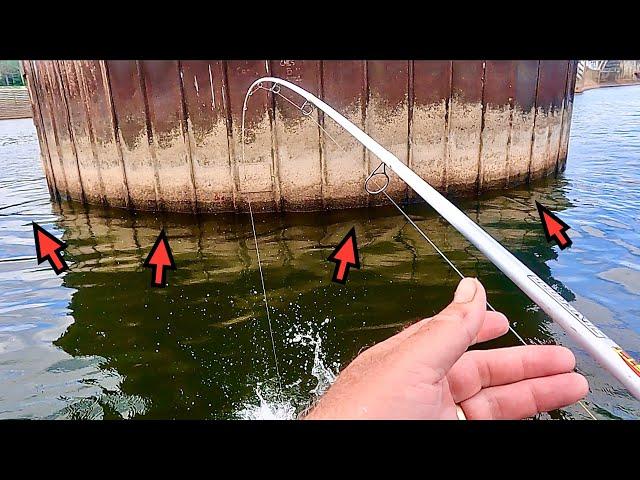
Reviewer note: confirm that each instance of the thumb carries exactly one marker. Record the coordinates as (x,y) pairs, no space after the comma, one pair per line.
(440,342)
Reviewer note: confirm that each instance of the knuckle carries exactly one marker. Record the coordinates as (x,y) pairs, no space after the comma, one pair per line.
(449,316)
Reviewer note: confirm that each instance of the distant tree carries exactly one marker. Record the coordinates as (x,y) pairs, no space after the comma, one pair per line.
(10,73)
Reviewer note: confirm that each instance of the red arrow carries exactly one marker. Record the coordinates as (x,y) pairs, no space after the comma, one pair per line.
(554,228)
(345,256)
(49,247)
(159,259)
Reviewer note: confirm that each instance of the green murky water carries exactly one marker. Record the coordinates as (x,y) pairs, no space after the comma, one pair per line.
(98,342)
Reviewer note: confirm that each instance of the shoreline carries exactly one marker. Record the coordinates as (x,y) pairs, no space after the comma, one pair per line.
(14,103)
(606,85)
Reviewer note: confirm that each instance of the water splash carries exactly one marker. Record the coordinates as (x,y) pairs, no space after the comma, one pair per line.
(324,375)
(270,405)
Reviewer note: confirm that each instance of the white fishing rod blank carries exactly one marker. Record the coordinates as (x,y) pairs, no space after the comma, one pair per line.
(607,352)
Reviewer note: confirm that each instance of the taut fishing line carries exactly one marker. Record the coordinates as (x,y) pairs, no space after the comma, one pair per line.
(306,109)
(255,239)
(441,253)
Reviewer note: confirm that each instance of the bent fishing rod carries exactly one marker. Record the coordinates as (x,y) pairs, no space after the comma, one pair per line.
(602,348)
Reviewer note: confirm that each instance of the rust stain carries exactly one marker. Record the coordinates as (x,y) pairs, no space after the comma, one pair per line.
(255,175)
(566,115)
(344,89)
(32,85)
(51,128)
(206,120)
(76,67)
(499,86)
(81,135)
(387,118)
(298,137)
(551,88)
(166,134)
(130,114)
(71,155)
(102,110)
(432,90)
(166,124)
(522,121)
(465,126)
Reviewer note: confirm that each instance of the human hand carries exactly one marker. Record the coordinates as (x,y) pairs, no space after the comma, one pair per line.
(425,370)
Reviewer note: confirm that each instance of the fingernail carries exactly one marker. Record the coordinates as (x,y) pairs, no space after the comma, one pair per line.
(466,291)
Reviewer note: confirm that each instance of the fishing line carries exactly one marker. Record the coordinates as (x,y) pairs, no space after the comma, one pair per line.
(275,89)
(255,239)
(442,254)
(376,172)
(451,264)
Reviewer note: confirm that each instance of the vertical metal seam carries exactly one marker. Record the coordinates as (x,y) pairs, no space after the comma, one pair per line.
(570,97)
(562,113)
(186,137)
(33,82)
(365,124)
(275,153)
(152,150)
(547,152)
(72,135)
(49,106)
(410,101)
(227,121)
(511,112)
(56,137)
(106,82)
(535,115)
(52,142)
(84,96)
(447,118)
(483,107)
(323,164)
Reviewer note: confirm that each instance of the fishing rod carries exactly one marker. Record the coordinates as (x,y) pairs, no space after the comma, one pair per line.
(602,348)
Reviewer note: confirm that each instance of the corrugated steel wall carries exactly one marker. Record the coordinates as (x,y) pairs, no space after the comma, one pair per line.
(165,135)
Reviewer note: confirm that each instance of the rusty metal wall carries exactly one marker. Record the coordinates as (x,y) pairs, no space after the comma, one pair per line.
(165,135)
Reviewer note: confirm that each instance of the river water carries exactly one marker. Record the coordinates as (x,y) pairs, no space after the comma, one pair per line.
(98,342)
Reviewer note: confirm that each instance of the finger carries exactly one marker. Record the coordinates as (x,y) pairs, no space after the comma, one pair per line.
(495,325)
(526,398)
(439,343)
(481,369)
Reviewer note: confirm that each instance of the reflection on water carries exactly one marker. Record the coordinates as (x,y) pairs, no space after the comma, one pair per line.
(99,342)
